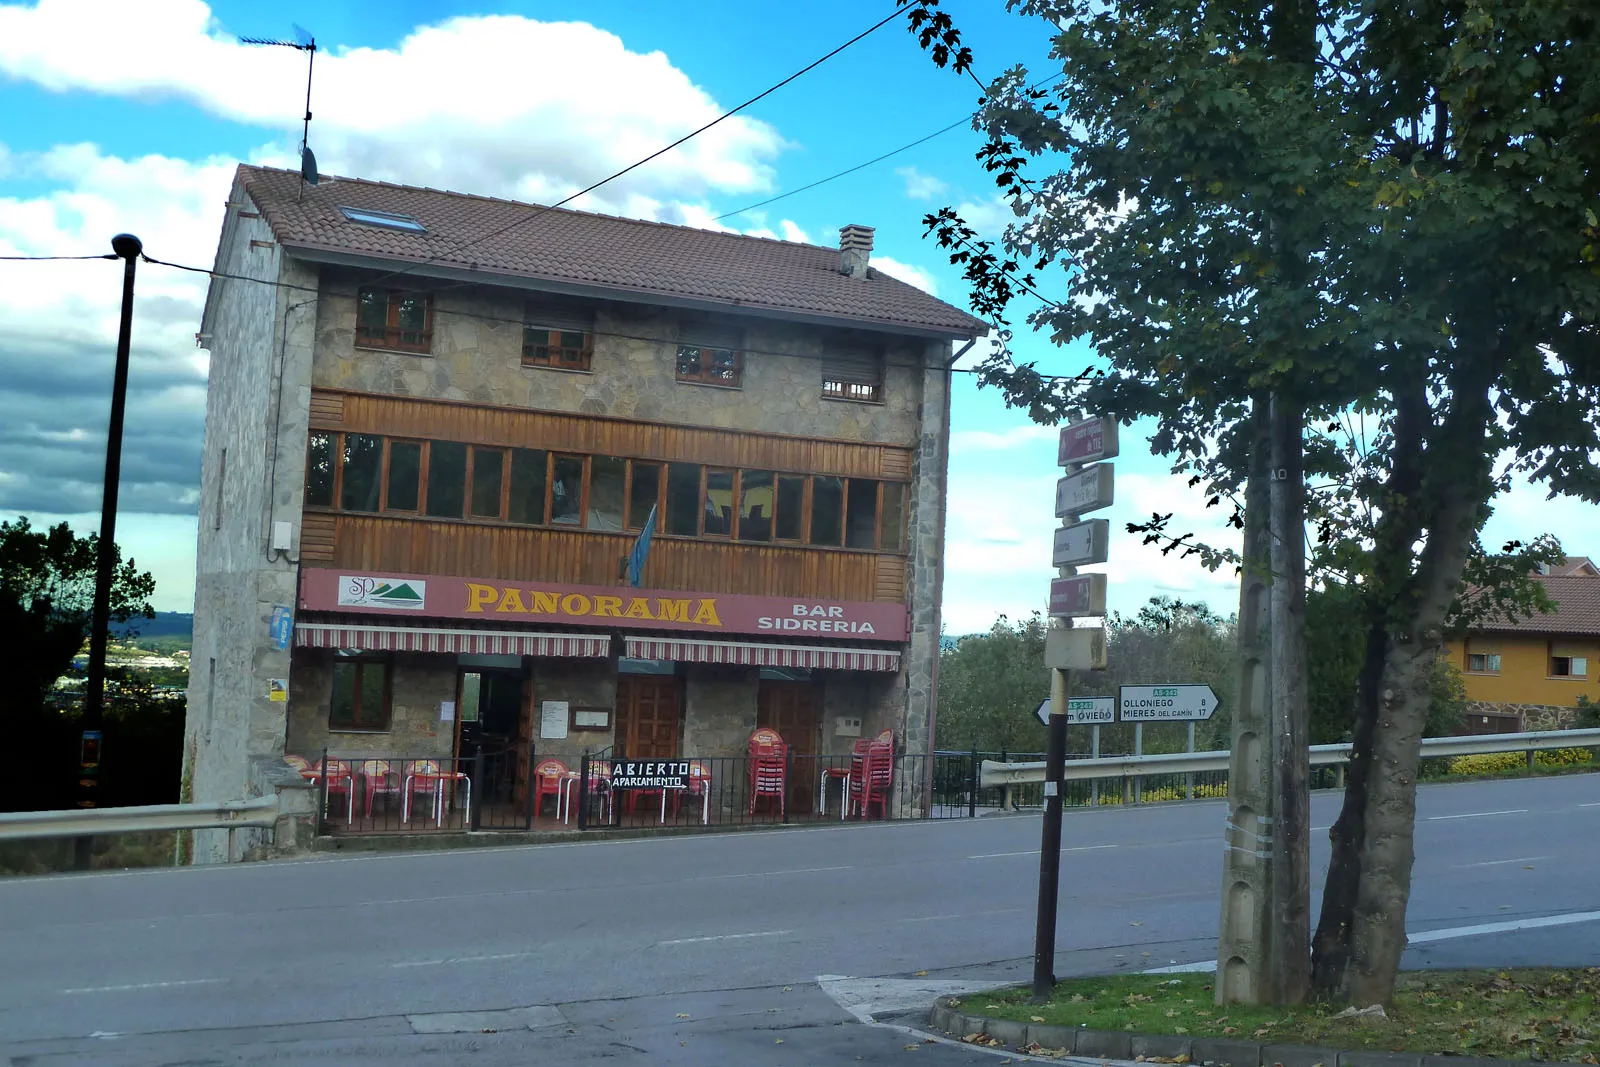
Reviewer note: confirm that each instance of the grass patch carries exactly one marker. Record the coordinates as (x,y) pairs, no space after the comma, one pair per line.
(1513,1014)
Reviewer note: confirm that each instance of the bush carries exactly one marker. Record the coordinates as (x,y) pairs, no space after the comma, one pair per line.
(1498,762)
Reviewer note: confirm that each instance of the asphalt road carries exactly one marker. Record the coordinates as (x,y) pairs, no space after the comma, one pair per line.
(703,950)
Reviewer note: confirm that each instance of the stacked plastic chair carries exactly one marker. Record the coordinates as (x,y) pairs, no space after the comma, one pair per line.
(769,769)
(872,775)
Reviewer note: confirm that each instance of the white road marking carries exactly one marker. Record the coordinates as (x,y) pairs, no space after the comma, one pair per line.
(1596,804)
(724,937)
(141,985)
(965,915)
(1510,926)
(1499,863)
(1477,814)
(1426,936)
(866,997)
(767,874)
(1035,852)
(462,959)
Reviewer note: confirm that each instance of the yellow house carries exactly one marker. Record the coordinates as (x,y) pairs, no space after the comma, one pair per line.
(1528,674)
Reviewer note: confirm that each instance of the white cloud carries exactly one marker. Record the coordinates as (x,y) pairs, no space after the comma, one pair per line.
(920,186)
(498,104)
(1001,440)
(908,273)
(792,232)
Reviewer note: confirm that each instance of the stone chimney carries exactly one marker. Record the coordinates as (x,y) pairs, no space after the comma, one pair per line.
(855,249)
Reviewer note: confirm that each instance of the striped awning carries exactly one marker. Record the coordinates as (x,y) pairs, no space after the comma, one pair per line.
(757,654)
(426,639)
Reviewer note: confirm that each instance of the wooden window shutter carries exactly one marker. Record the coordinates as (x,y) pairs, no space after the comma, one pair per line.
(895,464)
(853,368)
(316,537)
(891,583)
(327,409)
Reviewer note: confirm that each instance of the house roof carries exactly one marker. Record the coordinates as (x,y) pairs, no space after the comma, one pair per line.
(1577,613)
(1575,566)
(625,258)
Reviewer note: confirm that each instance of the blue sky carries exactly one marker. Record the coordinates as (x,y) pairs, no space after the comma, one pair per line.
(131,116)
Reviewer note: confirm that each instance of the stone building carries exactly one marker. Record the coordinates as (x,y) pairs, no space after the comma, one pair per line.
(1528,673)
(437,425)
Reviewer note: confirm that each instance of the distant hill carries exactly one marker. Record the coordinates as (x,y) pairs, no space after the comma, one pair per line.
(165,624)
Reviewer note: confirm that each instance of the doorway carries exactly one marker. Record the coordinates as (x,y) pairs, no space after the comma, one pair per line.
(649,716)
(489,704)
(793,708)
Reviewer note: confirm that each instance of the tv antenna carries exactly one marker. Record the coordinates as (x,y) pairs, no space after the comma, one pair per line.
(303,42)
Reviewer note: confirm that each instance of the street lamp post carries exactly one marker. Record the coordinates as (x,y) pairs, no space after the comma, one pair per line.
(127,247)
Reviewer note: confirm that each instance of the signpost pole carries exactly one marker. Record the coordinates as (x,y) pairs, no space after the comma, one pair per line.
(1055,759)
(1094,751)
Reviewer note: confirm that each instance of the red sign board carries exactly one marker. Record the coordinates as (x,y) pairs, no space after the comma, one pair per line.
(1083,594)
(1084,442)
(607,607)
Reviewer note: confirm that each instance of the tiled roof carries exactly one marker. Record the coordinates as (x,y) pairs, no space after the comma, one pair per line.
(1577,611)
(1575,565)
(636,259)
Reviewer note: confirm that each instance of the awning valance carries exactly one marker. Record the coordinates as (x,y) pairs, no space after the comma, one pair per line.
(758,654)
(427,639)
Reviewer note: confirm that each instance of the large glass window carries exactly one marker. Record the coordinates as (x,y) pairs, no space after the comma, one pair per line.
(447,479)
(405,475)
(319,471)
(488,469)
(566,491)
(861,514)
(893,520)
(710,366)
(562,349)
(643,493)
(607,479)
(790,508)
(755,505)
(529,469)
(827,510)
(363,467)
(683,499)
(718,515)
(360,695)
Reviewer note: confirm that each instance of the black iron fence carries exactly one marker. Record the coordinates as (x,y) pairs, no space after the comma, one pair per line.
(508,789)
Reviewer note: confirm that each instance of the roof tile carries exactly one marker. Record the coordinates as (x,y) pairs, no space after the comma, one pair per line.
(644,259)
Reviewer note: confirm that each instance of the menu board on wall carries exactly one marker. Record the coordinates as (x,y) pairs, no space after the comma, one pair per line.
(553,720)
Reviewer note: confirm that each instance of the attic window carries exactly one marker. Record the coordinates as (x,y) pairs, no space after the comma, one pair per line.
(385,219)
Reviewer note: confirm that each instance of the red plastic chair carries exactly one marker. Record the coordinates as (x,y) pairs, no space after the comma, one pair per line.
(299,763)
(870,780)
(427,777)
(769,769)
(698,785)
(547,776)
(340,780)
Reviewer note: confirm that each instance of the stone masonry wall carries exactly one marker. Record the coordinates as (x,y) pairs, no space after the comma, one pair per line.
(633,371)
(231,724)
(585,682)
(719,709)
(1534,716)
(418,684)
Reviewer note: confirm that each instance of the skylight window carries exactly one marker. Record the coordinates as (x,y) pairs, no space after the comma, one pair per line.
(388,221)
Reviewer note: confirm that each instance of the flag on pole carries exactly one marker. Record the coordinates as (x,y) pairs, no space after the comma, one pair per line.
(641,549)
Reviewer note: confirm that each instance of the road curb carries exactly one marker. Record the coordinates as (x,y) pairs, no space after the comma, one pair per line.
(947,1018)
(435,842)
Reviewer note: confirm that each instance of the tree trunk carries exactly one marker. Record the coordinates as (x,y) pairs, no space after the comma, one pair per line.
(1291,726)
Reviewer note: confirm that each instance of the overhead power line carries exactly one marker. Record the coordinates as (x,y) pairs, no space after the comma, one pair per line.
(653,155)
(41,259)
(514,321)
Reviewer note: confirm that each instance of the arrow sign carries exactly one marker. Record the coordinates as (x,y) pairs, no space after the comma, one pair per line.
(1087,441)
(1088,490)
(1165,703)
(1084,710)
(1080,543)
(1083,594)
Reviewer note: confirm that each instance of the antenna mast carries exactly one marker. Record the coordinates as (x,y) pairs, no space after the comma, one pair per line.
(303,42)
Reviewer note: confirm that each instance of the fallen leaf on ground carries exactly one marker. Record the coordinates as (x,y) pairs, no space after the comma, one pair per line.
(683,1015)
(1136,924)
(790,989)
(777,1041)
(1036,1018)
(912,1048)
(922,974)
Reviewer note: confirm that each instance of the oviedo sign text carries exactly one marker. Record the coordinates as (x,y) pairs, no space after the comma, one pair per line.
(614,607)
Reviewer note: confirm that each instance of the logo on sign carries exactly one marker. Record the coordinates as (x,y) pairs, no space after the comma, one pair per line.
(282,626)
(357,591)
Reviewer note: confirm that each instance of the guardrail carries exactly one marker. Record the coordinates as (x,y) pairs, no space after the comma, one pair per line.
(994,774)
(92,822)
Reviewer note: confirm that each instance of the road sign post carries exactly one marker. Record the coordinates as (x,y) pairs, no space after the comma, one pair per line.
(1071,596)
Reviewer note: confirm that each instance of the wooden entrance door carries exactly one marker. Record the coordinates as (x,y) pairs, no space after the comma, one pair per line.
(649,716)
(794,710)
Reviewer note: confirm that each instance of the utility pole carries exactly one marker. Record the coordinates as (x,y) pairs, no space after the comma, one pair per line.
(127,247)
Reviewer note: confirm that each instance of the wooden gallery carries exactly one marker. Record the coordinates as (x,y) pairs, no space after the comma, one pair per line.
(479,473)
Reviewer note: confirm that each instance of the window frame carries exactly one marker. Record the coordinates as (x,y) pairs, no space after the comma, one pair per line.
(1491,663)
(422,474)
(1569,672)
(704,376)
(356,723)
(391,340)
(549,362)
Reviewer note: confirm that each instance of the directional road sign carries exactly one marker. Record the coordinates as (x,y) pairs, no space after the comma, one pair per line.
(1078,596)
(1080,543)
(1087,441)
(1165,703)
(1082,710)
(1088,490)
